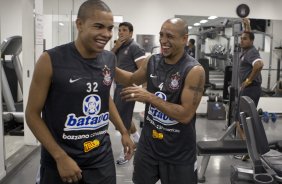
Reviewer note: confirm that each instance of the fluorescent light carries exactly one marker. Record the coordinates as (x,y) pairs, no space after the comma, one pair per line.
(197,24)
(212,17)
(61,24)
(190,27)
(203,21)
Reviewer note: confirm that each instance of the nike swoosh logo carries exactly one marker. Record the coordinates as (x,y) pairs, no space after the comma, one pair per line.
(74,80)
(153,76)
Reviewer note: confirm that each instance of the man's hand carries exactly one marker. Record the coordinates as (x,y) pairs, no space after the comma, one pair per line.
(119,42)
(128,146)
(246,83)
(136,93)
(68,169)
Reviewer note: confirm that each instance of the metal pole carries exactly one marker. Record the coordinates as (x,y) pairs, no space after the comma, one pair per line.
(6,91)
(2,143)
(18,69)
(278,69)
(233,97)
(270,62)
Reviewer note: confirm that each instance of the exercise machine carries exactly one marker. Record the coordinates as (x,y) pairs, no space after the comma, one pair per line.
(11,70)
(224,146)
(266,163)
(219,57)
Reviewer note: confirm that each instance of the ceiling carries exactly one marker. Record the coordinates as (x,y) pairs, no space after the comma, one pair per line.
(193,19)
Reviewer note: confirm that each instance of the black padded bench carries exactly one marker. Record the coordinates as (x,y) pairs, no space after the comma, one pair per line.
(222,147)
(219,147)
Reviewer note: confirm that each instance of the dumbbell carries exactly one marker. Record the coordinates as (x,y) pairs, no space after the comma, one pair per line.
(273,117)
(265,117)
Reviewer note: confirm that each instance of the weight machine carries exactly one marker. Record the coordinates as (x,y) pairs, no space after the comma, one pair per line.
(11,74)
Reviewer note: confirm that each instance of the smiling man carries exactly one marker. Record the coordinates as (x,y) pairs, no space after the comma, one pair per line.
(71,88)
(175,84)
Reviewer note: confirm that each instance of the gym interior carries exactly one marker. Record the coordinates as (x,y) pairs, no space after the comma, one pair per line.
(28,27)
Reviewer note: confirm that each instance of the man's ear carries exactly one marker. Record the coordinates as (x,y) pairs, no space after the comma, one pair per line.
(78,23)
(131,34)
(185,38)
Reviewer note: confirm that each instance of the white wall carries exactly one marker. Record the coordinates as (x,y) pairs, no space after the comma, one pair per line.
(32,49)
(10,15)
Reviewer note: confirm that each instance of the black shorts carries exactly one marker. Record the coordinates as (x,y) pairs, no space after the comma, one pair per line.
(149,171)
(254,92)
(124,108)
(101,175)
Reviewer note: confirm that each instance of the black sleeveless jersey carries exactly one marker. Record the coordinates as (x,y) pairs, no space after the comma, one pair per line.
(76,110)
(163,137)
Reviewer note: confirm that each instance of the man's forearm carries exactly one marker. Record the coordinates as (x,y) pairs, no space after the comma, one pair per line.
(172,110)
(42,133)
(256,70)
(115,118)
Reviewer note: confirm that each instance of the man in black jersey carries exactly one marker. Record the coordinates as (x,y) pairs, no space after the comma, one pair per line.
(71,88)
(130,56)
(175,84)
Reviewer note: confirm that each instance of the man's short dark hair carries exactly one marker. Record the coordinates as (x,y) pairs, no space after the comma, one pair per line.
(127,24)
(89,5)
(192,41)
(250,34)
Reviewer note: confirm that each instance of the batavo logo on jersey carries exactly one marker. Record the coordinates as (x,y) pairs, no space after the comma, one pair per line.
(90,145)
(157,135)
(92,120)
(158,115)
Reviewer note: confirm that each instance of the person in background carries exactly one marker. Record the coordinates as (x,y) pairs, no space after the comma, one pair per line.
(250,68)
(71,88)
(190,48)
(175,84)
(130,56)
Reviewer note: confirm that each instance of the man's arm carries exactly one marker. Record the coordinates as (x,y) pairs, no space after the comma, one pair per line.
(257,67)
(38,92)
(116,120)
(190,97)
(246,24)
(127,78)
(140,62)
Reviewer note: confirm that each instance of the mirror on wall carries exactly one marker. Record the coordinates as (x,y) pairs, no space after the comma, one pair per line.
(215,42)
(59,22)
(60,26)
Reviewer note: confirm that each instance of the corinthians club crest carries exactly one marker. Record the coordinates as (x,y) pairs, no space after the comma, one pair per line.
(174,81)
(107,76)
